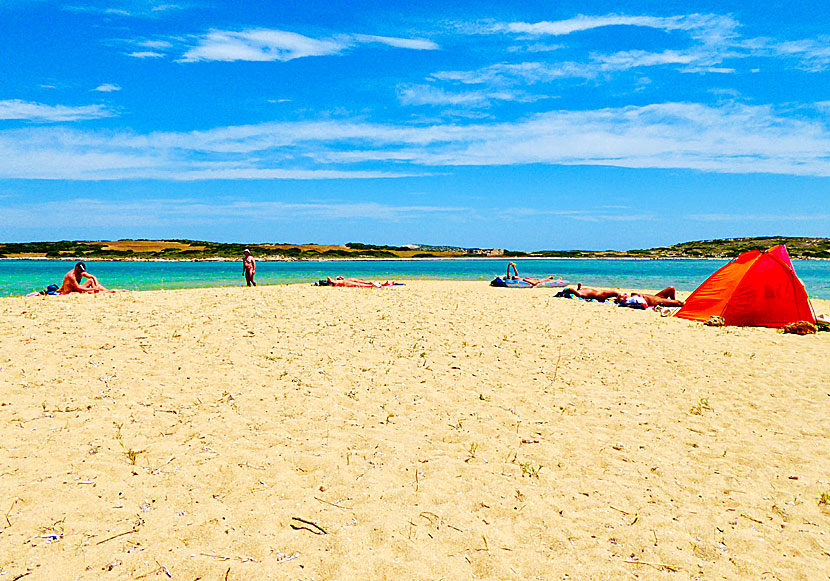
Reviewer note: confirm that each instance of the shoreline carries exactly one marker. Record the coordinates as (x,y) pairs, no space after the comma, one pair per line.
(384,259)
(547,292)
(22,276)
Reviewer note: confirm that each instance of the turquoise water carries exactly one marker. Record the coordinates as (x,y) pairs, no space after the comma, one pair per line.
(19,277)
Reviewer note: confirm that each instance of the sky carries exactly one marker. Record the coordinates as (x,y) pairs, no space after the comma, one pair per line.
(521,125)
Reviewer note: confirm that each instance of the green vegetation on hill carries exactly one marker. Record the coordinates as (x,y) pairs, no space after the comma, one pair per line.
(199,250)
(726,248)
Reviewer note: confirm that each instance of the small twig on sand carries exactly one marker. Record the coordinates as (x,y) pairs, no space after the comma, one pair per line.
(317,530)
(619,510)
(332,504)
(228,572)
(8,512)
(163,568)
(746,516)
(670,568)
(21,575)
(116,536)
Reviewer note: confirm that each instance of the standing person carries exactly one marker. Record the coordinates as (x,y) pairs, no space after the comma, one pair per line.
(72,281)
(249,268)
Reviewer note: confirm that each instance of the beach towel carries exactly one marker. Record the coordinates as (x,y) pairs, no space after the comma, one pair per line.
(356,283)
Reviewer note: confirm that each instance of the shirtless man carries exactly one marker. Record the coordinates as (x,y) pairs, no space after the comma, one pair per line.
(72,281)
(249,268)
(589,293)
(665,298)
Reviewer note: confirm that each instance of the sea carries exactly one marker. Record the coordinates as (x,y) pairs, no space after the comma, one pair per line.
(19,277)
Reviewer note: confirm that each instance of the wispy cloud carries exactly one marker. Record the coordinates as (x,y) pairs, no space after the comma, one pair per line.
(264,45)
(729,138)
(812,55)
(145,54)
(107,88)
(705,26)
(743,218)
(40,113)
(258,45)
(126,8)
(601,214)
(154,44)
(171,212)
(712,41)
(410,43)
(431,95)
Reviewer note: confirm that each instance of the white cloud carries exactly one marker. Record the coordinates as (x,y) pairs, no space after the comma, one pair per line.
(588,215)
(159,212)
(127,9)
(154,44)
(145,54)
(728,138)
(778,218)
(107,88)
(431,95)
(265,45)
(259,45)
(40,113)
(167,7)
(710,27)
(410,43)
(812,55)
(712,40)
(523,73)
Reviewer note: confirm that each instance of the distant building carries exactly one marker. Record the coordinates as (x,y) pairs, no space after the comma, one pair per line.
(486,251)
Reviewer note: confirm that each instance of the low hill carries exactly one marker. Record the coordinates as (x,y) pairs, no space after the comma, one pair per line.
(724,248)
(200,250)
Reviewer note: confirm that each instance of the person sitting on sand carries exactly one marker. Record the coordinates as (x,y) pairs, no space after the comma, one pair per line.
(249,268)
(665,298)
(72,281)
(588,293)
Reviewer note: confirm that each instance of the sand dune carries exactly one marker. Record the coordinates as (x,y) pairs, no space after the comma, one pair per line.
(438,430)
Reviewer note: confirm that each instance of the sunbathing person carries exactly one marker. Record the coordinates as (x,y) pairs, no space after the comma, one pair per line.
(72,281)
(355,283)
(529,280)
(588,293)
(665,298)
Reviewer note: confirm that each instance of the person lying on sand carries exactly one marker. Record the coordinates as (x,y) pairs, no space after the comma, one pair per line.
(72,281)
(588,293)
(355,283)
(531,281)
(665,298)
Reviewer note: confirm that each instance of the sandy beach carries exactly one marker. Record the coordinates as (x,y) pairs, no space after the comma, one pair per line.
(436,430)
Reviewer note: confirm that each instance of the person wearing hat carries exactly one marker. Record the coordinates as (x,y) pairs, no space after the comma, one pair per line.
(249,268)
(72,281)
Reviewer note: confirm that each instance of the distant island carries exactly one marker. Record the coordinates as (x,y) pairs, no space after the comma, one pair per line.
(808,248)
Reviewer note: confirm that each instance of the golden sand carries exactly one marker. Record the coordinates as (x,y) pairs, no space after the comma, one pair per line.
(437,430)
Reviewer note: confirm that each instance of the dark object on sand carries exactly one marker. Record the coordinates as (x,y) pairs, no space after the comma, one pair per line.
(799,328)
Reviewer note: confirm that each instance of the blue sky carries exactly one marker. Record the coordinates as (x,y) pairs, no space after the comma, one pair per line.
(532,125)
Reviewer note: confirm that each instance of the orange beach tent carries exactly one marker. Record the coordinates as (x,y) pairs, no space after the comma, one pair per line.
(755,289)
